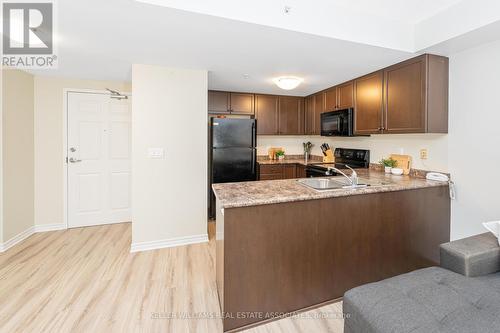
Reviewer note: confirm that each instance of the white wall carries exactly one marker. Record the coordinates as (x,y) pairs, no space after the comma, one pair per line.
(49,135)
(379,146)
(169,195)
(474,137)
(464,17)
(18,153)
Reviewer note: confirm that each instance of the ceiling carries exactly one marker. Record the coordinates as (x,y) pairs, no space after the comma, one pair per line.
(409,11)
(102,39)
(412,11)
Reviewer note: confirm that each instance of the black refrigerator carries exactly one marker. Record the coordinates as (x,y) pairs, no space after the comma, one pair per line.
(232,153)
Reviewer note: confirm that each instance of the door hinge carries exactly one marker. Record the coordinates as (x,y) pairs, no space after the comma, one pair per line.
(66,159)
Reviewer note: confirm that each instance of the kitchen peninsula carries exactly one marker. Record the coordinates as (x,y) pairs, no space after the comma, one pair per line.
(283,247)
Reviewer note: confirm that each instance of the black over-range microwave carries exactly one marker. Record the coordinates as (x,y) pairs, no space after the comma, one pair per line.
(338,123)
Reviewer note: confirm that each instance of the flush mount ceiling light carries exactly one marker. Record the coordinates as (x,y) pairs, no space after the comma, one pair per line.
(288,82)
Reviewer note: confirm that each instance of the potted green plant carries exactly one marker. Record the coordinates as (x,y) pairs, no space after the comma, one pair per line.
(280,155)
(388,164)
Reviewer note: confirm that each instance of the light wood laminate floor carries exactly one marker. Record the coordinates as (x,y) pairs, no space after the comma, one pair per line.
(86,280)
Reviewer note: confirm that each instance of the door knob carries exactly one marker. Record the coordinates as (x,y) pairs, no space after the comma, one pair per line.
(72,160)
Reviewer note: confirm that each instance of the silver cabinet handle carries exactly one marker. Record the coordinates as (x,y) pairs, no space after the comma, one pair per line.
(72,160)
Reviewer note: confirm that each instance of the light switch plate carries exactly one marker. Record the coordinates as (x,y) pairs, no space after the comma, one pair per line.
(157,153)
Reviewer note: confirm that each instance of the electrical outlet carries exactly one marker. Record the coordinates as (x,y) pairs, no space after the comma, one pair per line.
(423,154)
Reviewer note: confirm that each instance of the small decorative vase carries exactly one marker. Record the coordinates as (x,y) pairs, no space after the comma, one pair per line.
(281,157)
(388,169)
(306,156)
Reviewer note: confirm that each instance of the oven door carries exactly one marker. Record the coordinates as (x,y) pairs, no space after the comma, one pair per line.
(336,123)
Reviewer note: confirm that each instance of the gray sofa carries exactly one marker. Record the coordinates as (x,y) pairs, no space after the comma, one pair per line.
(463,295)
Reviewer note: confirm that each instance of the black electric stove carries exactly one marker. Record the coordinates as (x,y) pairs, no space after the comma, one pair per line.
(355,158)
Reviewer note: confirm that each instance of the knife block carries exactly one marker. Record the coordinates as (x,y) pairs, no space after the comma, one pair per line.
(329,158)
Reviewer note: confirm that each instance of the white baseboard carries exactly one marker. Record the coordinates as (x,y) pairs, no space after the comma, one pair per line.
(17,239)
(49,227)
(28,232)
(172,242)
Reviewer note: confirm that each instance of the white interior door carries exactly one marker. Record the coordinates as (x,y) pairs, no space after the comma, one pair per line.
(99,148)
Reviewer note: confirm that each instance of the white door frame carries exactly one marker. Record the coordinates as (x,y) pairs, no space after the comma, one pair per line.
(66,91)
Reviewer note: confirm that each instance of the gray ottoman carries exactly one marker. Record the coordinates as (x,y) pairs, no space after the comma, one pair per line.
(433,299)
(472,256)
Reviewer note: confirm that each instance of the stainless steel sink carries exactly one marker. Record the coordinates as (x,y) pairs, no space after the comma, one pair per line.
(325,183)
(336,183)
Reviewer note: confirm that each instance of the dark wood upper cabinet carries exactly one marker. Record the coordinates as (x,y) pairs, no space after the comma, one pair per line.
(405,97)
(266,113)
(368,111)
(218,102)
(314,106)
(309,114)
(339,97)
(319,108)
(242,103)
(409,97)
(345,95)
(330,99)
(222,102)
(416,96)
(291,115)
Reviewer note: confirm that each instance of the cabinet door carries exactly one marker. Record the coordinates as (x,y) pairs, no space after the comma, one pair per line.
(330,99)
(270,172)
(289,171)
(405,97)
(218,102)
(291,115)
(319,107)
(301,171)
(309,116)
(345,94)
(368,91)
(242,103)
(266,113)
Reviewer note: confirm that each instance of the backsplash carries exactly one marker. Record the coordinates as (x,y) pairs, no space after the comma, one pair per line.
(379,146)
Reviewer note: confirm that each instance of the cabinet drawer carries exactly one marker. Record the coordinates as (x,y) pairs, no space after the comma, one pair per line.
(270,176)
(271,169)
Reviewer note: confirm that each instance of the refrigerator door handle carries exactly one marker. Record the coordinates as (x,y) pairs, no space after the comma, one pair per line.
(253,135)
(254,152)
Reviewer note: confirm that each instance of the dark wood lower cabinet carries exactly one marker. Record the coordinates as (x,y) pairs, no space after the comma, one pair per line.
(280,258)
(289,171)
(301,171)
(278,171)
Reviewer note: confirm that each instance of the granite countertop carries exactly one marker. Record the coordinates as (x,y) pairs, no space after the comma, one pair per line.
(290,159)
(232,195)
